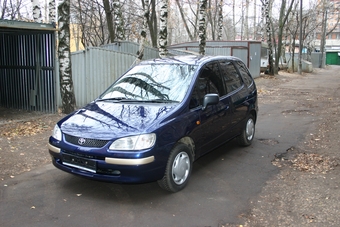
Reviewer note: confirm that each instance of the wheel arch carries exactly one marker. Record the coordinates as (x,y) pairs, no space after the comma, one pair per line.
(254,113)
(190,143)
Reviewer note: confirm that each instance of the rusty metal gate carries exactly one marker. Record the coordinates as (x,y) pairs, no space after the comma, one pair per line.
(27,66)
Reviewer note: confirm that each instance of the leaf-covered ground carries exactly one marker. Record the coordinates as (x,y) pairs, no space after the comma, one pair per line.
(304,193)
(23,140)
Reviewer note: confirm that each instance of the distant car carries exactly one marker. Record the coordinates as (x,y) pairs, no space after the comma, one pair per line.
(157,119)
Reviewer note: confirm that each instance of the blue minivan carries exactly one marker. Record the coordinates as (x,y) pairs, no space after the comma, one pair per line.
(157,119)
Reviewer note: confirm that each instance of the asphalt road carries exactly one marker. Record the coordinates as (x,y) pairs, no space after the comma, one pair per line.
(220,191)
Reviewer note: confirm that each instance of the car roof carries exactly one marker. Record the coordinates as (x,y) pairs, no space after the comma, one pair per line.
(188,59)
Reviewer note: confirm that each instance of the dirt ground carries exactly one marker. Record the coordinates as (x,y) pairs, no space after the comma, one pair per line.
(304,193)
(23,140)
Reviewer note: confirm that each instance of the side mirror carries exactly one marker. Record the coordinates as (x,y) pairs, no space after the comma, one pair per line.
(210,99)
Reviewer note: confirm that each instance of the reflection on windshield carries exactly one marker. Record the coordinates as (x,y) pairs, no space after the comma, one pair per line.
(153,83)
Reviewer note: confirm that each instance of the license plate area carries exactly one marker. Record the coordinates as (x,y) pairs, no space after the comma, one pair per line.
(80,163)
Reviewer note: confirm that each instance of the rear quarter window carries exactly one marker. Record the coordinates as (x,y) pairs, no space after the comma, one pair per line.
(231,77)
(247,78)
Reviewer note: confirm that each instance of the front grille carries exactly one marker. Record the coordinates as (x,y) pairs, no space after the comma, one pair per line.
(85,142)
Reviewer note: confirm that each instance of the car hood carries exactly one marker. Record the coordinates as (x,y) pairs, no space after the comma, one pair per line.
(107,120)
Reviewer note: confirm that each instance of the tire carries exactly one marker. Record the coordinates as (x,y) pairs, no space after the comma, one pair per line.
(178,169)
(248,132)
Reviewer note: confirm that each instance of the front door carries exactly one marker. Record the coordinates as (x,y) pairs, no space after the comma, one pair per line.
(209,133)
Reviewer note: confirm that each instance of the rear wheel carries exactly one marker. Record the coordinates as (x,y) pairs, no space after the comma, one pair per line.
(178,169)
(248,132)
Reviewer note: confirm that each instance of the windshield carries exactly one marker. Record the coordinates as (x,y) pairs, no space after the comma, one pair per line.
(162,82)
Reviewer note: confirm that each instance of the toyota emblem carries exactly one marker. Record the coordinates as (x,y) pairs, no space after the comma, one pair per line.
(81,141)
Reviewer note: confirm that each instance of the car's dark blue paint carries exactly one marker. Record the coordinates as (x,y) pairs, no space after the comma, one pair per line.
(201,130)
(110,120)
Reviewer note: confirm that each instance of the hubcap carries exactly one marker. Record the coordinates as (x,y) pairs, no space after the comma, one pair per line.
(180,168)
(250,129)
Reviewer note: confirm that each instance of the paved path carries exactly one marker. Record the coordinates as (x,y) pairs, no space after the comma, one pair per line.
(221,189)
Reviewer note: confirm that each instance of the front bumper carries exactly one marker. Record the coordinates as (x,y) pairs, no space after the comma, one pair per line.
(117,170)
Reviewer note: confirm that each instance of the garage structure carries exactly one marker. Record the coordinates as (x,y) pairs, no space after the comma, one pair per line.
(248,51)
(27,66)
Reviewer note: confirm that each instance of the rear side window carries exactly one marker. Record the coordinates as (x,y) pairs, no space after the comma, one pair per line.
(230,75)
(247,79)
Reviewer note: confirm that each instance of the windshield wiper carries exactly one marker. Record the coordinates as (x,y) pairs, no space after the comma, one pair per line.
(161,101)
(113,99)
(122,99)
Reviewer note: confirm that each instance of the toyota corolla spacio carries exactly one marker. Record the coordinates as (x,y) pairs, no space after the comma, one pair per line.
(159,117)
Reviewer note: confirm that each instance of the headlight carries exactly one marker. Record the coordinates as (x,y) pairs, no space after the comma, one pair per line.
(56,134)
(133,143)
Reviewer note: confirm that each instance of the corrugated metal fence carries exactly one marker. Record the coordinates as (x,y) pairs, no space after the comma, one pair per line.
(27,75)
(132,48)
(94,69)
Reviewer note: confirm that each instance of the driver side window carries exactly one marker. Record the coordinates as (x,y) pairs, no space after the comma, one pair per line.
(207,83)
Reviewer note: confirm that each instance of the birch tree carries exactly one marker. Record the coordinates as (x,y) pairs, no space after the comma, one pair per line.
(119,21)
(246,22)
(65,73)
(202,26)
(37,16)
(254,22)
(51,11)
(269,35)
(163,29)
(263,19)
(234,20)
(143,32)
(220,20)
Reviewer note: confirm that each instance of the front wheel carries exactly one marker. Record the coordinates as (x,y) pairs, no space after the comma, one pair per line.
(248,132)
(178,169)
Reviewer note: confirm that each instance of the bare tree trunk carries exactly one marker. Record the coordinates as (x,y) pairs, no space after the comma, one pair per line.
(323,38)
(109,19)
(65,71)
(119,21)
(202,26)
(4,6)
(153,24)
(234,21)
(140,52)
(269,35)
(37,16)
(284,46)
(163,29)
(263,19)
(51,11)
(254,22)
(246,23)
(282,21)
(184,20)
(220,20)
(211,14)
